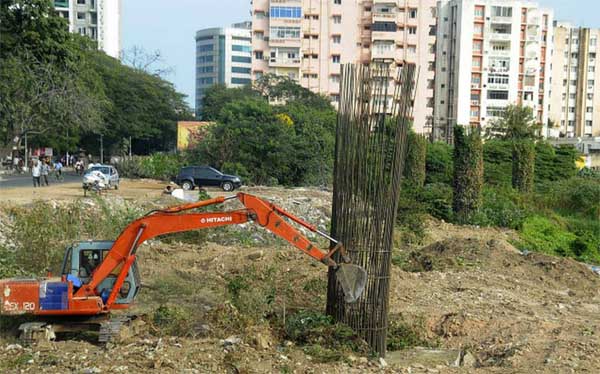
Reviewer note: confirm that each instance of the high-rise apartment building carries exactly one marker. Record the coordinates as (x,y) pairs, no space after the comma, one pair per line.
(307,40)
(223,56)
(490,54)
(575,88)
(98,19)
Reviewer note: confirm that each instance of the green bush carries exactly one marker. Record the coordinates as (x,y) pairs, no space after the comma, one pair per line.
(542,234)
(502,207)
(173,320)
(403,335)
(554,163)
(161,166)
(321,336)
(574,196)
(438,163)
(497,159)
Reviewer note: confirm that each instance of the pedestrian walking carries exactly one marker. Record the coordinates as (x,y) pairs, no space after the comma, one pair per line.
(45,170)
(36,172)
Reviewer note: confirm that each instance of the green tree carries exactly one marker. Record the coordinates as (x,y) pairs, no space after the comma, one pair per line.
(518,122)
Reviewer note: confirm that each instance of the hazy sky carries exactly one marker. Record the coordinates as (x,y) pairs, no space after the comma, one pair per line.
(170,25)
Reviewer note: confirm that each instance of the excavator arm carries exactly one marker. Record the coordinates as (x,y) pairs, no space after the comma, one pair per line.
(171,220)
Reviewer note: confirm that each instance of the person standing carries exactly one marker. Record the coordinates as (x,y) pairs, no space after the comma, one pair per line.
(45,170)
(36,172)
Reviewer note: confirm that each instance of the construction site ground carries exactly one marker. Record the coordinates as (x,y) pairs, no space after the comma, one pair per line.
(482,306)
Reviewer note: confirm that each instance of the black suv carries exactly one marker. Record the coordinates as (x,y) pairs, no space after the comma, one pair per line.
(190,177)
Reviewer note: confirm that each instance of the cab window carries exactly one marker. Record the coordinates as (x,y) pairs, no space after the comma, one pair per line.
(89,259)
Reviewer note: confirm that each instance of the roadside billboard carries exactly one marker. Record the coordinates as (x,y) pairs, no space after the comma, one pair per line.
(189,133)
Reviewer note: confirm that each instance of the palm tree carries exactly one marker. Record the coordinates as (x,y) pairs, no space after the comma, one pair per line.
(517,123)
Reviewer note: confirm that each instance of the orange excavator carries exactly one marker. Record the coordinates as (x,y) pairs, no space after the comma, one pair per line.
(100,276)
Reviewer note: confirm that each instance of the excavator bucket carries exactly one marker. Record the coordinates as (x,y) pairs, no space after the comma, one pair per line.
(353,279)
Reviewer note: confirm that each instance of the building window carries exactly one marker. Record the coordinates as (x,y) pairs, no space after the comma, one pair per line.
(205,69)
(338,2)
(412,49)
(81,16)
(336,39)
(240,80)
(590,96)
(593,41)
(478,29)
(412,13)
(239,69)
(412,30)
(476,79)
(572,96)
(478,11)
(203,59)
(591,69)
(258,55)
(285,12)
(385,26)
(572,110)
(497,95)
(335,59)
(259,14)
(241,59)
(495,111)
(477,45)
(205,47)
(591,82)
(474,113)
(501,11)
(337,19)
(589,109)
(335,98)
(335,78)
(81,2)
(241,48)
(498,78)
(285,32)
(477,62)
(207,80)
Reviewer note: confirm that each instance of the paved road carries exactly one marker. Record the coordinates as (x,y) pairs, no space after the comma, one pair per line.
(25,180)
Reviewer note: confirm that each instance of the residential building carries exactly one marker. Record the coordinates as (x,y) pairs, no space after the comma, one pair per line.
(308,40)
(575,88)
(223,56)
(490,54)
(98,19)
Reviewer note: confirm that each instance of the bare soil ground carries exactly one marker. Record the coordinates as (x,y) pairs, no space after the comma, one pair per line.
(468,287)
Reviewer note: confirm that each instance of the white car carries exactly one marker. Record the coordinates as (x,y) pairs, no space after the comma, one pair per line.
(100,177)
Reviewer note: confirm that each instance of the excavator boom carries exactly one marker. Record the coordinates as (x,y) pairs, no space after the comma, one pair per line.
(86,298)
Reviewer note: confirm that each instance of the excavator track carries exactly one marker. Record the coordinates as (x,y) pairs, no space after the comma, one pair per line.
(110,329)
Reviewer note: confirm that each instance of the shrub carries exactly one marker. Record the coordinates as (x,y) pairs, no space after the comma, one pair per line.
(502,207)
(438,163)
(156,166)
(173,320)
(321,336)
(468,173)
(574,196)
(553,164)
(403,335)
(542,234)
(497,159)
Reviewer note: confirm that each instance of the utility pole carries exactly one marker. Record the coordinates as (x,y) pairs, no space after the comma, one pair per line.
(26,158)
(101,150)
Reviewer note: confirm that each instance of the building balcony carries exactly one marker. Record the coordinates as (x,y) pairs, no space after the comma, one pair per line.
(497,86)
(497,19)
(498,36)
(497,53)
(384,17)
(273,42)
(383,54)
(383,35)
(284,62)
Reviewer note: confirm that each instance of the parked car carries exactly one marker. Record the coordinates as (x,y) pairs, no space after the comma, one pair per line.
(100,177)
(190,177)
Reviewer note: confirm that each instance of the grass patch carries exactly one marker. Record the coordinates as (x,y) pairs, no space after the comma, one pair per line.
(321,337)
(403,335)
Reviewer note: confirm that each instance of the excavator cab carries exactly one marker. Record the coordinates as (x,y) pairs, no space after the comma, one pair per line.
(83,258)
